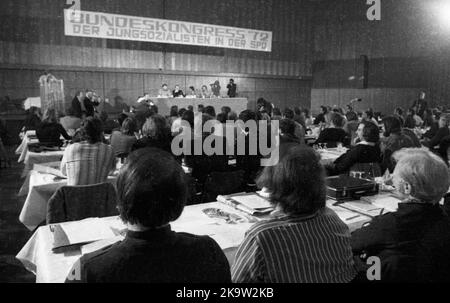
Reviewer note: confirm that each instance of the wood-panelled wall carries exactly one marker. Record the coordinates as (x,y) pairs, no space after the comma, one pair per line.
(124,87)
(407,51)
(32,39)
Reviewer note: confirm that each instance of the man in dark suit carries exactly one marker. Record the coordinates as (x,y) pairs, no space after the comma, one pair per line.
(232,88)
(78,106)
(90,103)
(420,105)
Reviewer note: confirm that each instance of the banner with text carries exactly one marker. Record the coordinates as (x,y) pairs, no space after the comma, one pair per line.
(111,26)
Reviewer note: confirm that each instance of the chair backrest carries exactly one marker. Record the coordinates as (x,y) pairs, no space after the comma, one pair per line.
(223,183)
(370,170)
(73,203)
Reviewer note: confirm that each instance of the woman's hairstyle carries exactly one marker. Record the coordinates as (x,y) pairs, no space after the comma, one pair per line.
(50,116)
(92,130)
(297,110)
(129,127)
(371,132)
(174,111)
(297,182)
(222,118)
(287,127)
(399,111)
(121,117)
(324,109)
(446,119)
(410,122)
(232,116)
(392,125)
(247,115)
(156,127)
(209,110)
(337,120)
(151,188)
(369,114)
(426,172)
(288,113)
(188,116)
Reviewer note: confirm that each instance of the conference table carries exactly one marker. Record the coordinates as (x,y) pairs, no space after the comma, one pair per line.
(40,189)
(30,158)
(51,267)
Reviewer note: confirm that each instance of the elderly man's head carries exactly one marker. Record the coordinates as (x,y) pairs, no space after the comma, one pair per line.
(420,174)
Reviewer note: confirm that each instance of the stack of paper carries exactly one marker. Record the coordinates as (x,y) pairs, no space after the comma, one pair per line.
(252,204)
(81,232)
(50,168)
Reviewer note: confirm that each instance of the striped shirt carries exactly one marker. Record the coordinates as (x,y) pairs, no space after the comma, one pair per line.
(314,249)
(87,164)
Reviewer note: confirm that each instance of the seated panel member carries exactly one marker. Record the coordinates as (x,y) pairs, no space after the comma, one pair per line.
(412,243)
(164,92)
(177,92)
(304,241)
(152,193)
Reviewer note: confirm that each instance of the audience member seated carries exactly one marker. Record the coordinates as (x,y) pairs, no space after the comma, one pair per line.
(122,141)
(413,242)
(309,121)
(176,128)
(173,115)
(368,116)
(70,122)
(156,133)
(351,127)
(109,125)
(89,161)
(393,140)
(320,119)
(152,193)
(304,241)
(398,112)
(287,132)
(298,117)
(409,130)
(442,132)
(206,162)
(417,119)
(33,119)
(50,131)
(366,151)
(335,133)
(300,131)
(250,163)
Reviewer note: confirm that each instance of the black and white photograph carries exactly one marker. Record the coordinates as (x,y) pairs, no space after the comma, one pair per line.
(225,147)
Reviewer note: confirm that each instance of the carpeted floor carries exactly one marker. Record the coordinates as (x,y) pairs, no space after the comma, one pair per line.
(13,235)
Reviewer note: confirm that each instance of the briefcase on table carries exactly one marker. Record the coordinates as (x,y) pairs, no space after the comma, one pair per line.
(346,188)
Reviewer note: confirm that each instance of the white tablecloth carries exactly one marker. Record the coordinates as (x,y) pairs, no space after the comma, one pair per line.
(38,257)
(41,189)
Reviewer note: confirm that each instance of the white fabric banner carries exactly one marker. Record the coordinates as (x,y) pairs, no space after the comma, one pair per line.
(110,26)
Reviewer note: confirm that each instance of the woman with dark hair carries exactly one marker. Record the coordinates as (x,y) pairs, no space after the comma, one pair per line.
(335,133)
(152,193)
(89,161)
(366,151)
(173,115)
(368,116)
(122,141)
(443,131)
(50,131)
(321,117)
(156,134)
(394,140)
(32,120)
(303,241)
(209,110)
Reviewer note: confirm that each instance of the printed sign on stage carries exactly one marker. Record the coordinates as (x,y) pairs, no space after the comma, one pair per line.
(121,27)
